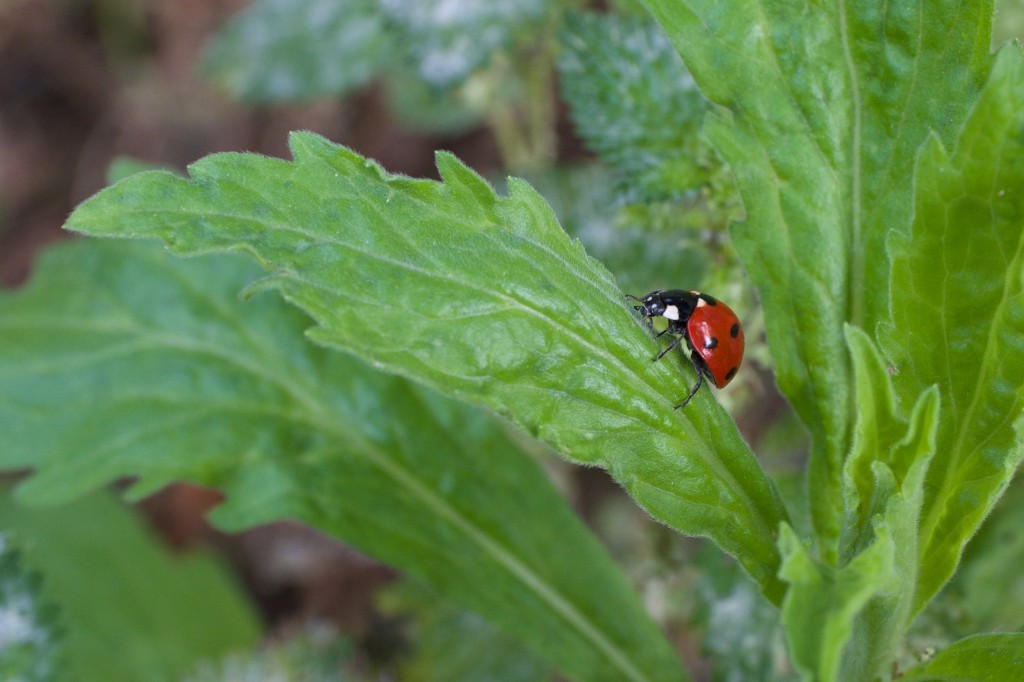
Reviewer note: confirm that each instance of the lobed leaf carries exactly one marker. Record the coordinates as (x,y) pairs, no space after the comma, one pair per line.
(820,126)
(127,609)
(286,50)
(958,315)
(118,360)
(481,297)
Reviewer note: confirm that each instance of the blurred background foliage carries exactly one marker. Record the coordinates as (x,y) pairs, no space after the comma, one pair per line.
(591,104)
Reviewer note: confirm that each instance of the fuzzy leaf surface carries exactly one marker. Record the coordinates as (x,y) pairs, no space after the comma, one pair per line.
(286,50)
(994,657)
(635,104)
(958,315)
(128,610)
(820,126)
(478,296)
(862,606)
(119,360)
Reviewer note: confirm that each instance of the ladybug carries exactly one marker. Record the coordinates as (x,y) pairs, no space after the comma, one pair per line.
(711,330)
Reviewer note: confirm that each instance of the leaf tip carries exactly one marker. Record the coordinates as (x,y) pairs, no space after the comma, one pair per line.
(462,179)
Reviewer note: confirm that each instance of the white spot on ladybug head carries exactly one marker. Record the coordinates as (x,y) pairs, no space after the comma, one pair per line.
(701,302)
(671,312)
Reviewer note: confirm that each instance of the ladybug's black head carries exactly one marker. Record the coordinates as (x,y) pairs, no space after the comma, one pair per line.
(651,305)
(675,305)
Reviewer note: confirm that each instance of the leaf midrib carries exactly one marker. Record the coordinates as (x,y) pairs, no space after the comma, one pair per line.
(857,265)
(957,453)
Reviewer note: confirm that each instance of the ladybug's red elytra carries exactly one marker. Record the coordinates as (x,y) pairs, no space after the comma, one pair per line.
(711,330)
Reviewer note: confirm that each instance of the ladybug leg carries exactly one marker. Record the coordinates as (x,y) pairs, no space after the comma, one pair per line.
(698,364)
(675,342)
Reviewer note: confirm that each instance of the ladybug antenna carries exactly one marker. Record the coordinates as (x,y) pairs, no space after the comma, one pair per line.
(638,308)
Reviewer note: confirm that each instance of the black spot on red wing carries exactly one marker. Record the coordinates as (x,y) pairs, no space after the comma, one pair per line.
(711,343)
(710,300)
(734,331)
(731,373)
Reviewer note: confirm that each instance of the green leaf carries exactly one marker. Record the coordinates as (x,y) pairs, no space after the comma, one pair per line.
(285,50)
(865,604)
(482,297)
(884,436)
(119,360)
(958,315)
(877,429)
(823,602)
(635,104)
(820,126)
(982,658)
(129,610)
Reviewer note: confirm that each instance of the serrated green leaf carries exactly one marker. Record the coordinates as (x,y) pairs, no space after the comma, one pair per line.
(958,314)
(820,126)
(285,50)
(982,658)
(129,610)
(478,296)
(123,361)
(635,104)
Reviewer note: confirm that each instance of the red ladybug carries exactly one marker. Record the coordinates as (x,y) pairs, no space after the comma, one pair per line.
(711,329)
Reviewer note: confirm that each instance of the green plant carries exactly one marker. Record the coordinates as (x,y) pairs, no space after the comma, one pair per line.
(880,162)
